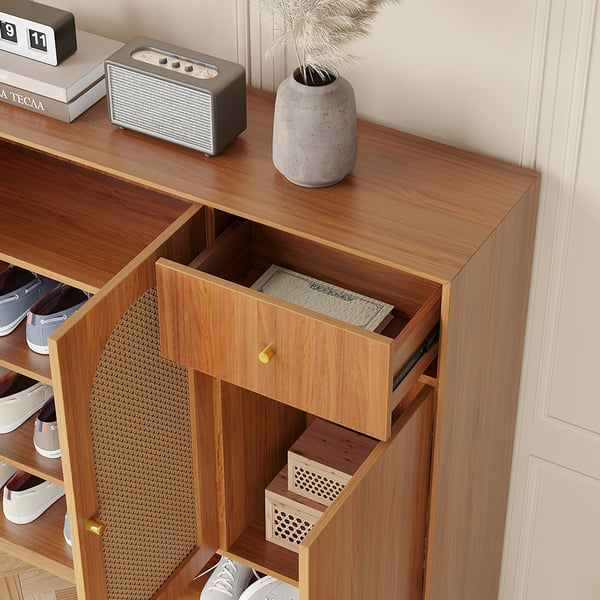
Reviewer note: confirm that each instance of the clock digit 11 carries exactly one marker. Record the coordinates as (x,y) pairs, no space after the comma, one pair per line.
(8,31)
(37,40)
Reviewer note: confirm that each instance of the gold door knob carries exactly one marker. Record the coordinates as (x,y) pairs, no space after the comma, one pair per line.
(94,526)
(266,355)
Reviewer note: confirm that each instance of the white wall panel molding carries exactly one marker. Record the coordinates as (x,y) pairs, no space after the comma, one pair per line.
(562,43)
(556,501)
(242,24)
(259,30)
(539,41)
(568,42)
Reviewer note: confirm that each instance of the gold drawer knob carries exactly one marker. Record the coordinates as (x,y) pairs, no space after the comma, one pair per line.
(266,355)
(94,526)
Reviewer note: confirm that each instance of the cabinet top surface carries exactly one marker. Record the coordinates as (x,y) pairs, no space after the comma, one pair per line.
(423,206)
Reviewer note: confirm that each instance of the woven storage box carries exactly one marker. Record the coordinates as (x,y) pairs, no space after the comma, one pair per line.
(324,458)
(288,516)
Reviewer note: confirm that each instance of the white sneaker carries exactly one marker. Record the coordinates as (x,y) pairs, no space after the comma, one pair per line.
(27,496)
(20,397)
(6,472)
(269,588)
(227,581)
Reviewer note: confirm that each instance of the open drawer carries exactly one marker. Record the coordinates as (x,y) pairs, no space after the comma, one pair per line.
(211,320)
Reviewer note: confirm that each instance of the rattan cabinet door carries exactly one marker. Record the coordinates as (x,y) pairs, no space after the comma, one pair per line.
(126,436)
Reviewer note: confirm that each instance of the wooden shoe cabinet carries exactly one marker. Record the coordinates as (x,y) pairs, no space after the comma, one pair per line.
(171,427)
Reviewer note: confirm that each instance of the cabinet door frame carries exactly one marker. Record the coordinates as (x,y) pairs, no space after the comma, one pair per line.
(74,356)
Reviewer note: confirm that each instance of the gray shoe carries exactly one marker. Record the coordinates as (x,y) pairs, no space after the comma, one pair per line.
(45,431)
(50,312)
(20,289)
(227,582)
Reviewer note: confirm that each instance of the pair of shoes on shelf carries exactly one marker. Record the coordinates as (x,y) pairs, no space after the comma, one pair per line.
(20,397)
(230,581)
(27,496)
(20,289)
(50,312)
(46,303)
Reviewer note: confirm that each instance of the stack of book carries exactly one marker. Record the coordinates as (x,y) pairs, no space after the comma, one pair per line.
(62,92)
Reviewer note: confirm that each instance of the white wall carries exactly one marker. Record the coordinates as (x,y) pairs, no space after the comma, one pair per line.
(515,79)
(208,26)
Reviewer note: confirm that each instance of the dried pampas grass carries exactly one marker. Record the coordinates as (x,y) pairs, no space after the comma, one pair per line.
(318,30)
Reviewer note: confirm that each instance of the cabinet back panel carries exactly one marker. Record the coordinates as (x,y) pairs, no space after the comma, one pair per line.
(257,433)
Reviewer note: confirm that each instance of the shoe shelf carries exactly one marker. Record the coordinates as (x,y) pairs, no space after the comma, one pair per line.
(16,355)
(17,449)
(63,221)
(41,542)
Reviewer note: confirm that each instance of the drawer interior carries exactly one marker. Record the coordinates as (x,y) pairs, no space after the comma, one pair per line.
(245,250)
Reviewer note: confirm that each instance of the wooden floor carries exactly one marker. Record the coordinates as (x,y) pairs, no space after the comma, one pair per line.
(20,581)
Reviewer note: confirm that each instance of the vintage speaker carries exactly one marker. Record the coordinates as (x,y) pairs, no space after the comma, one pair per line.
(176,94)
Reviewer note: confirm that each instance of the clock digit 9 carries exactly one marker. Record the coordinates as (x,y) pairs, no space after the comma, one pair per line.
(8,31)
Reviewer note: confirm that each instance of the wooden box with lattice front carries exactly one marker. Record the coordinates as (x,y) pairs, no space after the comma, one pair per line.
(323,460)
(288,516)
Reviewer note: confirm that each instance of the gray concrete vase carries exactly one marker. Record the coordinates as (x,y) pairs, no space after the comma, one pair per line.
(314,131)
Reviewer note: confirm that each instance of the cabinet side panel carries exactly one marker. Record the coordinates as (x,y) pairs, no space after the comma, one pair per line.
(484,311)
(370,541)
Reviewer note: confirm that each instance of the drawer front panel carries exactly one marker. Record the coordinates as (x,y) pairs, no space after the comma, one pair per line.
(318,364)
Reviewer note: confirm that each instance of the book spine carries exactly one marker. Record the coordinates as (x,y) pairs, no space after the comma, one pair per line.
(34,102)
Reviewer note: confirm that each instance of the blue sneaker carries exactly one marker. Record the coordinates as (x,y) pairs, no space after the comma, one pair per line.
(50,312)
(20,289)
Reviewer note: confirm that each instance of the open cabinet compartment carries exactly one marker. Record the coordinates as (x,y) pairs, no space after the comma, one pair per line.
(213,322)
(387,495)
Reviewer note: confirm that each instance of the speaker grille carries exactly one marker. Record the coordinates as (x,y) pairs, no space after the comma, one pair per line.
(171,112)
(141,439)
